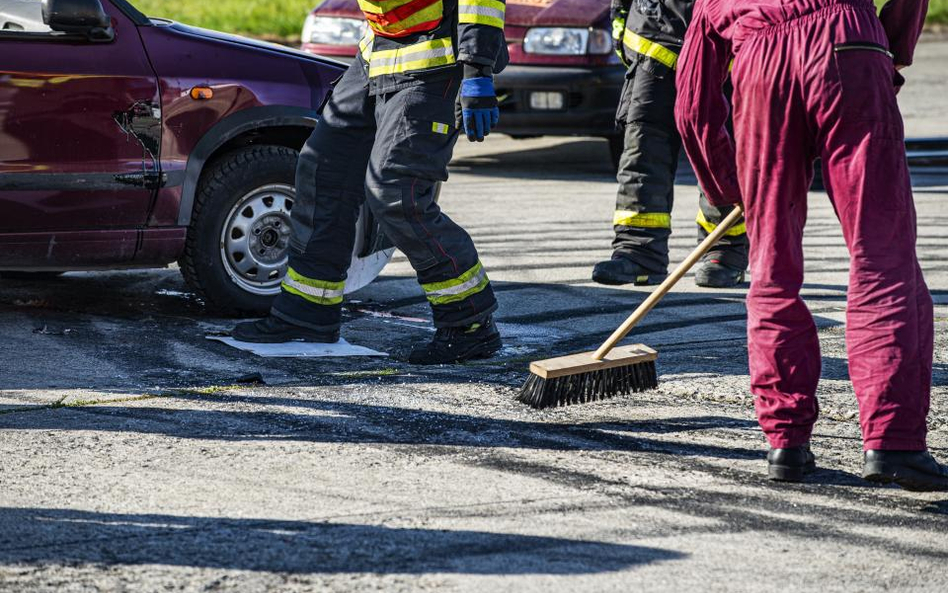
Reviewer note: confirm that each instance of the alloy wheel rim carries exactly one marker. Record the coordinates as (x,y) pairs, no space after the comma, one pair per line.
(255,239)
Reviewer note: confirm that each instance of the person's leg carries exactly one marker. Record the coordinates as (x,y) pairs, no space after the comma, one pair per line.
(330,188)
(646,176)
(417,133)
(725,264)
(889,317)
(889,308)
(775,169)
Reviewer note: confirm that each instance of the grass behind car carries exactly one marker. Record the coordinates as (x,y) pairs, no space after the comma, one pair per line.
(269,19)
(283,19)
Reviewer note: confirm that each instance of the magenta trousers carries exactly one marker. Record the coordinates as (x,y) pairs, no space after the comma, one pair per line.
(822,86)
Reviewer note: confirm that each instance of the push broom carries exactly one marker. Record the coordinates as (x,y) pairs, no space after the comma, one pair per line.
(611,371)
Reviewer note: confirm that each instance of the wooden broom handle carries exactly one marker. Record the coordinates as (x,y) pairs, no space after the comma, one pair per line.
(669,282)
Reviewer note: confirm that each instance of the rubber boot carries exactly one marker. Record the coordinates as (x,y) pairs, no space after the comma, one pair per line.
(621,270)
(273,330)
(457,344)
(790,465)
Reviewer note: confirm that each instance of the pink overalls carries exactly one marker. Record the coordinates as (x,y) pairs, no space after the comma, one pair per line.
(816,79)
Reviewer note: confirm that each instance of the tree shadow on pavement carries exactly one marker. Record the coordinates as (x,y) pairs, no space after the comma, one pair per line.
(340,422)
(45,536)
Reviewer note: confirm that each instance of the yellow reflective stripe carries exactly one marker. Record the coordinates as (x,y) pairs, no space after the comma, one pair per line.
(642,220)
(365,44)
(320,292)
(734,231)
(641,45)
(376,6)
(439,128)
(618,26)
(482,12)
(421,56)
(457,289)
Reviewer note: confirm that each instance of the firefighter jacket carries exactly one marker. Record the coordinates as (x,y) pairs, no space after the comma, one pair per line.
(409,41)
(654,29)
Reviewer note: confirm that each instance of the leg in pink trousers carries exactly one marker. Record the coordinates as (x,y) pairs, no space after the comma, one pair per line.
(775,165)
(796,98)
(889,325)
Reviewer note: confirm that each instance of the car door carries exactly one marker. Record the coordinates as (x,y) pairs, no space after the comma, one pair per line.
(80,125)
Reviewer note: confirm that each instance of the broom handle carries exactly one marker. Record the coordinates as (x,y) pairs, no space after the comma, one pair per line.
(682,269)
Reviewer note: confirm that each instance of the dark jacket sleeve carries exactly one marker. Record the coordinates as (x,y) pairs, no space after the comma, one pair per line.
(701,110)
(903,21)
(481,33)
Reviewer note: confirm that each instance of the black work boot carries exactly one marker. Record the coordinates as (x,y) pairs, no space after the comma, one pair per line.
(620,270)
(713,273)
(790,465)
(913,470)
(456,344)
(273,330)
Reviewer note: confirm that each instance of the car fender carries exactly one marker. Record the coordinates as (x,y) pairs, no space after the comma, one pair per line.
(227,129)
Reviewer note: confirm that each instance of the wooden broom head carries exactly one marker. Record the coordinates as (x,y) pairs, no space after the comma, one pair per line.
(576,364)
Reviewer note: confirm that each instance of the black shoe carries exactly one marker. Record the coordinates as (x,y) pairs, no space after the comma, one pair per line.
(913,470)
(456,344)
(714,274)
(273,330)
(619,270)
(790,465)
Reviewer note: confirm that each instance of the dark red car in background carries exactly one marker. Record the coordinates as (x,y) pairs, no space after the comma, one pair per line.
(128,141)
(564,78)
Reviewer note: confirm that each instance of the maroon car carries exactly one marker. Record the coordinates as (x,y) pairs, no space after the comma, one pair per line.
(129,141)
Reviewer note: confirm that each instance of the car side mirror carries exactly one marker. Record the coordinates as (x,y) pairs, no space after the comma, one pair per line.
(78,17)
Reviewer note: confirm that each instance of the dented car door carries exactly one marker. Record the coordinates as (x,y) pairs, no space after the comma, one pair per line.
(80,131)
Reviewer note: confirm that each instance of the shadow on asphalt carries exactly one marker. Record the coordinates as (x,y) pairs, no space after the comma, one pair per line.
(342,422)
(300,547)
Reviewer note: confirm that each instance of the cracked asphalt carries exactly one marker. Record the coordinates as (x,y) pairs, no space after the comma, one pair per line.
(133,458)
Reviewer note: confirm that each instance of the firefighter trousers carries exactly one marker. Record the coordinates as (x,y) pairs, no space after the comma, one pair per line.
(389,152)
(814,87)
(646,175)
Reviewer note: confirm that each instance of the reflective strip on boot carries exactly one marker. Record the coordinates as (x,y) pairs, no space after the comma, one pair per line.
(735,231)
(482,12)
(320,292)
(420,56)
(642,220)
(635,43)
(457,289)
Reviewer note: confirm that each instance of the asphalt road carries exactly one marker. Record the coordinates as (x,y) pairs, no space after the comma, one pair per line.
(132,459)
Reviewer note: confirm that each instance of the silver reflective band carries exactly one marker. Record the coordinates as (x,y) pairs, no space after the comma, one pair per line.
(322,293)
(463,287)
(482,10)
(380,61)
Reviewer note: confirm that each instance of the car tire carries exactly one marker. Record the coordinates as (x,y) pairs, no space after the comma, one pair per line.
(616,146)
(232,180)
(38,276)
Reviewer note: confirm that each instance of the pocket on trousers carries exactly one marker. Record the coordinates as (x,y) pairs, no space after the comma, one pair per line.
(625,96)
(866,74)
(422,146)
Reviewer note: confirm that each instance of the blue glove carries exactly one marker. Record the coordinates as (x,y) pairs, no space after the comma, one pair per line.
(479,109)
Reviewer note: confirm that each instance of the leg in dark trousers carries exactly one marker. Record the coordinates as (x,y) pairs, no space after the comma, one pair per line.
(416,137)
(330,182)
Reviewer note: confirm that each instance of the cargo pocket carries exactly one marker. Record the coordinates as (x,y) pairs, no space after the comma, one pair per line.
(869,116)
(625,97)
(867,79)
(424,140)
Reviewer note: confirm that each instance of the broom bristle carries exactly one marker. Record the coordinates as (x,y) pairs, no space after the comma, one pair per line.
(580,388)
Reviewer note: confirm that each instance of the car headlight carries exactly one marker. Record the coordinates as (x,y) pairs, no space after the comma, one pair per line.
(332,30)
(567,41)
